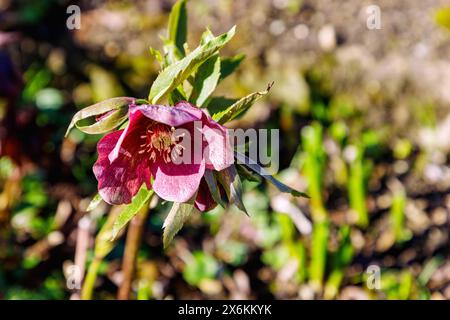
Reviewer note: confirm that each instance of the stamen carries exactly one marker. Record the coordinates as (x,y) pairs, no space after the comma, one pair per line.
(160,140)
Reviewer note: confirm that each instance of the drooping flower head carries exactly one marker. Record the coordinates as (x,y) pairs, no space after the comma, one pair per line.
(168,149)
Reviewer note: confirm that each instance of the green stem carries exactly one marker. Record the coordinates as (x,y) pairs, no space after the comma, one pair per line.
(103,246)
(91,276)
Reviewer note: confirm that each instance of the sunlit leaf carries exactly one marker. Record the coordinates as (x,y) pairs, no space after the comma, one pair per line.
(243,159)
(102,108)
(232,185)
(106,123)
(171,53)
(240,106)
(206,80)
(178,25)
(139,201)
(157,55)
(318,261)
(94,202)
(172,76)
(219,104)
(206,36)
(229,65)
(175,220)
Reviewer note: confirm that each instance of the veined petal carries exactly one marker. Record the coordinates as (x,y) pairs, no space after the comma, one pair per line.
(129,139)
(204,200)
(180,114)
(218,154)
(119,181)
(177,182)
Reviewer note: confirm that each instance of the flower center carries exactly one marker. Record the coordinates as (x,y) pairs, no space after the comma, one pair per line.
(159,141)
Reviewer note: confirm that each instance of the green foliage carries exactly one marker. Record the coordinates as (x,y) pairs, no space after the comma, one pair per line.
(213,187)
(239,107)
(199,268)
(314,167)
(357,188)
(397,216)
(96,200)
(139,201)
(231,182)
(174,75)
(206,79)
(178,25)
(319,245)
(229,65)
(115,108)
(103,246)
(243,159)
(340,260)
(178,215)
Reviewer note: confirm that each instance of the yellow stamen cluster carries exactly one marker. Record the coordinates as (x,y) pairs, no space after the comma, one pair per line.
(159,141)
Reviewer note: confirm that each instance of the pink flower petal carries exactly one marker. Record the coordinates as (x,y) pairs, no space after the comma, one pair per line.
(129,139)
(119,181)
(177,182)
(181,113)
(218,154)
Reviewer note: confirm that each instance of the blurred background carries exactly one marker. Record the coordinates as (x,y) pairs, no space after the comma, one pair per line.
(364,119)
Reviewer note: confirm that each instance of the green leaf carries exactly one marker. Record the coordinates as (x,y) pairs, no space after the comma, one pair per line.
(239,107)
(158,56)
(107,123)
(171,53)
(247,174)
(141,199)
(229,65)
(206,36)
(213,188)
(219,104)
(206,80)
(94,202)
(175,220)
(176,95)
(243,159)
(318,261)
(231,182)
(103,243)
(178,25)
(174,75)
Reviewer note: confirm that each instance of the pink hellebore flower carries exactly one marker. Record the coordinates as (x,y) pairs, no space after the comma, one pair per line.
(168,149)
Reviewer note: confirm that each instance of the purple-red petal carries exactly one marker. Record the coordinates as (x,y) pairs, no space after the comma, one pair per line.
(219,153)
(119,181)
(176,182)
(204,200)
(180,114)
